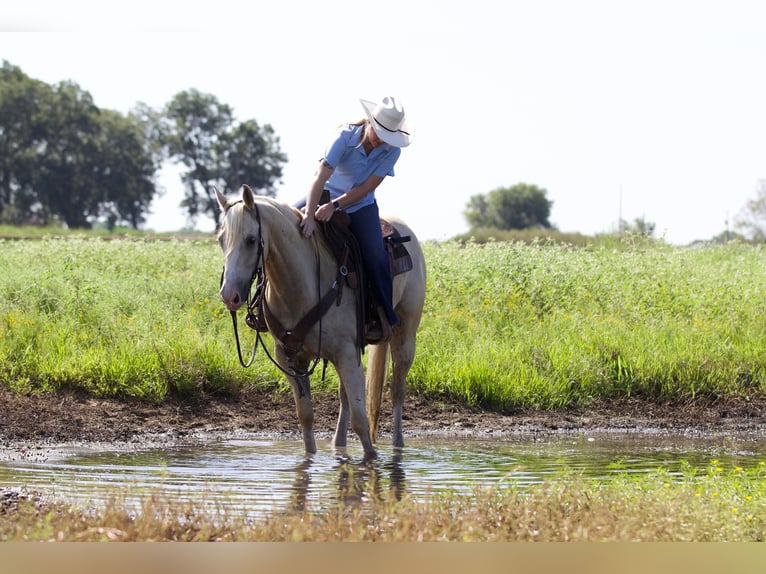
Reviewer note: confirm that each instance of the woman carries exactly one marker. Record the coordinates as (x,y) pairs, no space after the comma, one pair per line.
(354,165)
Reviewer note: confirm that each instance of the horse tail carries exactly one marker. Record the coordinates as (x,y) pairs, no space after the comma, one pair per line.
(377,370)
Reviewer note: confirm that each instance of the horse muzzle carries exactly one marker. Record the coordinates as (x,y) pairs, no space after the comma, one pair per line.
(232,298)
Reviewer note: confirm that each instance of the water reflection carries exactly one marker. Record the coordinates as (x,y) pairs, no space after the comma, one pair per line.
(356,481)
(379,478)
(259,477)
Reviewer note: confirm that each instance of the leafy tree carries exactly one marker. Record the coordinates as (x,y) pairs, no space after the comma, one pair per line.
(752,218)
(67,183)
(520,206)
(640,226)
(62,157)
(125,170)
(23,133)
(200,133)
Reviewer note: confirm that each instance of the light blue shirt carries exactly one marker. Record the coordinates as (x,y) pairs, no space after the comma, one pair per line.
(352,166)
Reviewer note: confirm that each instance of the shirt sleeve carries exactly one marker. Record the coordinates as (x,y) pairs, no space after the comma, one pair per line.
(337,149)
(386,166)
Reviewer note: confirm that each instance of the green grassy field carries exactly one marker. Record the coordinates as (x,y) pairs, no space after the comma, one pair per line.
(505,324)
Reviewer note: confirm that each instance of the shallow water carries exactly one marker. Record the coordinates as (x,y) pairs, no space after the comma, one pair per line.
(258,477)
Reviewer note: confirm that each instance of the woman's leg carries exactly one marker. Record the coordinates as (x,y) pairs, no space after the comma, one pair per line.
(365,225)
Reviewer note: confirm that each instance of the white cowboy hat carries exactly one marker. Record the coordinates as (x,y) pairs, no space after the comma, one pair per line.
(388,121)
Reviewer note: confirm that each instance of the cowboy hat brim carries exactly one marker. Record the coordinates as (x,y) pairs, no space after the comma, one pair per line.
(400,138)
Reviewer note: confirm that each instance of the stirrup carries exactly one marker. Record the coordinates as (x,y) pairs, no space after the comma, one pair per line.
(379,331)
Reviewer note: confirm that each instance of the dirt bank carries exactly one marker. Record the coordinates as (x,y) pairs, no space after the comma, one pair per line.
(39,420)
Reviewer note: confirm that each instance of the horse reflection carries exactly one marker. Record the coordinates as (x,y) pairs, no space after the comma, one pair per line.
(357,482)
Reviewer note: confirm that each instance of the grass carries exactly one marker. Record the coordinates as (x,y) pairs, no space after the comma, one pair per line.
(713,506)
(506,325)
(550,325)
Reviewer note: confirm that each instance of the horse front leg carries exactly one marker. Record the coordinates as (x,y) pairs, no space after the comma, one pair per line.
(351,376)
(304,406)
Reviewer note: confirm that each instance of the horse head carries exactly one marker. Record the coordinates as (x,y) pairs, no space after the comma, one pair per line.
(241,241)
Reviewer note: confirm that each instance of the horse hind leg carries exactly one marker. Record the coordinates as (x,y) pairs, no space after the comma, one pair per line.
(402,357)
(341,429)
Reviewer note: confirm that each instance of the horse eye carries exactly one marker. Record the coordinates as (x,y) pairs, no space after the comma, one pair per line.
(251,241)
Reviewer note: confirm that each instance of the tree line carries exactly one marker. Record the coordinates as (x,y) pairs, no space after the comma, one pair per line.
(63,159)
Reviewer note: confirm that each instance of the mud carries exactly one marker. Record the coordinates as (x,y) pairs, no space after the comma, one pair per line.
(30,425)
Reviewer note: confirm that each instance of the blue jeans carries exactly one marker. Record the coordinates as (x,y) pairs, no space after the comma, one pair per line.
(365,225)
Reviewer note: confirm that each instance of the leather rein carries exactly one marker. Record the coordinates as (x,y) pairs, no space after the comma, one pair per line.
(291,339)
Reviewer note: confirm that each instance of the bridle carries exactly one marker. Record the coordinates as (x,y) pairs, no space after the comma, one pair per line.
(259,300)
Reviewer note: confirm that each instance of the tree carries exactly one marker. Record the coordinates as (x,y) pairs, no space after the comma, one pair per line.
(124,170)
(752,219)
(23,132)
(640,226)
(67,183)
(200,133)
(517,207)
(62,157)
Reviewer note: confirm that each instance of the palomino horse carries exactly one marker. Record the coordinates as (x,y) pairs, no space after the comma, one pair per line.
(258,232)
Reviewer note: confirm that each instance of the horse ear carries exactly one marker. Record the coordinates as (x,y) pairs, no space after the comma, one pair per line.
(248,196)
(222,201)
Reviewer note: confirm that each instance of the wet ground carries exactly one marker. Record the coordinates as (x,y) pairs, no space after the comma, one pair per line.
(257,477)
(228,447)
(30,424)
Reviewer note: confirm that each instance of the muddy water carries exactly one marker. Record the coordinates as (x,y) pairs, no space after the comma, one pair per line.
(259,477)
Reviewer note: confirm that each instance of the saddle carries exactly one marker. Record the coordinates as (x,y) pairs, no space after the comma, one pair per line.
(343,244)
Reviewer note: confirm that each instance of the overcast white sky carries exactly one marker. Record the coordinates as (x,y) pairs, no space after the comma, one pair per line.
(652,108)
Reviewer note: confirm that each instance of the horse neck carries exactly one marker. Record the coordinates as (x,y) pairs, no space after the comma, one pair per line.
(291,262)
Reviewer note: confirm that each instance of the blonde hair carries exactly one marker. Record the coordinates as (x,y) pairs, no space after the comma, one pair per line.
(363,122)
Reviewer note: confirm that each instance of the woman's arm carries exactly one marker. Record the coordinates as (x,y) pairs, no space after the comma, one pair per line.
(324,213)
(322,174)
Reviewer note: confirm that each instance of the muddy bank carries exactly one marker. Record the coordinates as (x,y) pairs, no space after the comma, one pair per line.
(31,423)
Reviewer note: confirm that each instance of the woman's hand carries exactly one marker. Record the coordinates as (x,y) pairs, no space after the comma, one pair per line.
(307,225)
(324,212)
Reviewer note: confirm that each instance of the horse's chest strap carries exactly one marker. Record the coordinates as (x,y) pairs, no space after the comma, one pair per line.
(292,339)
